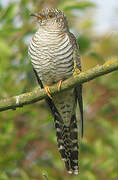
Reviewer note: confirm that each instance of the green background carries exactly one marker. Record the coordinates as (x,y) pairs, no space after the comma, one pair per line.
(28,146)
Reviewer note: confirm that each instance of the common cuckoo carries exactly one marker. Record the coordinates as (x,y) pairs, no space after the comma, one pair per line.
(55,57)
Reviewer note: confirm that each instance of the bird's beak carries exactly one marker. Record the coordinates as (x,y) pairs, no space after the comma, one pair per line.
(38,15)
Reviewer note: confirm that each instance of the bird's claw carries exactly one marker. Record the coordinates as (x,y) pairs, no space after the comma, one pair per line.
(48,91)
(59,85)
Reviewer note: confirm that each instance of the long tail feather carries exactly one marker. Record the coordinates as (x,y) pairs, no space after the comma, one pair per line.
(67,138)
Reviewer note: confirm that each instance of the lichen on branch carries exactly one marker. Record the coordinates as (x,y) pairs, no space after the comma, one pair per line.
(38,94)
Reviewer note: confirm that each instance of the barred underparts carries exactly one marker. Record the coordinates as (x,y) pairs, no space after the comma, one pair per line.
(54,55)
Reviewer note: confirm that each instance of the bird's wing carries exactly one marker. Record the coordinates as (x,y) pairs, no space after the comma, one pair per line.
(38,79)
(77,69)
(49,101)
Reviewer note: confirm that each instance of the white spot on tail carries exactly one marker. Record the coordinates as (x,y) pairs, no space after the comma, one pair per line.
(75,140)
(58,130)
(76,172)
(75,130)
(70,172)
(64,159)
(61,147)
(60,140)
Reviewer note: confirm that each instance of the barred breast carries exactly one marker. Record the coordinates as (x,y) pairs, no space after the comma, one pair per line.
(51,56)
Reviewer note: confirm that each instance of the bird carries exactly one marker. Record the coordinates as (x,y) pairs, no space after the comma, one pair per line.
(54,54)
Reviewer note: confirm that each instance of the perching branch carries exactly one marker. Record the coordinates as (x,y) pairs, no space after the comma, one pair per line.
(38,94)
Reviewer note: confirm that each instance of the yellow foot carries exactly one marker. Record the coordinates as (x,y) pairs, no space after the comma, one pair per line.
(59,85)
(48,91)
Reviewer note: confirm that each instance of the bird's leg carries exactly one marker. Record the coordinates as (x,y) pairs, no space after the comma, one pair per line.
(59,85)
(76,71)
(48,91)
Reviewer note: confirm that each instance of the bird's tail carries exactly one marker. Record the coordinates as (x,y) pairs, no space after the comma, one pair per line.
(67,137)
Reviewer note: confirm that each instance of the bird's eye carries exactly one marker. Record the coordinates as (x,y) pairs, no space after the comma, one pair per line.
(51,15)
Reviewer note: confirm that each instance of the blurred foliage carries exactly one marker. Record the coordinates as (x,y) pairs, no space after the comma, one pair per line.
(28,145)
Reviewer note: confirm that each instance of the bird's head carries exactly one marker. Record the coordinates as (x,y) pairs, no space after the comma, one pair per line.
(51,19)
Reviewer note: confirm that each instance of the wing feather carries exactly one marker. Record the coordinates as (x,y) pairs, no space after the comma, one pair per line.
(48,100)
(77,68)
